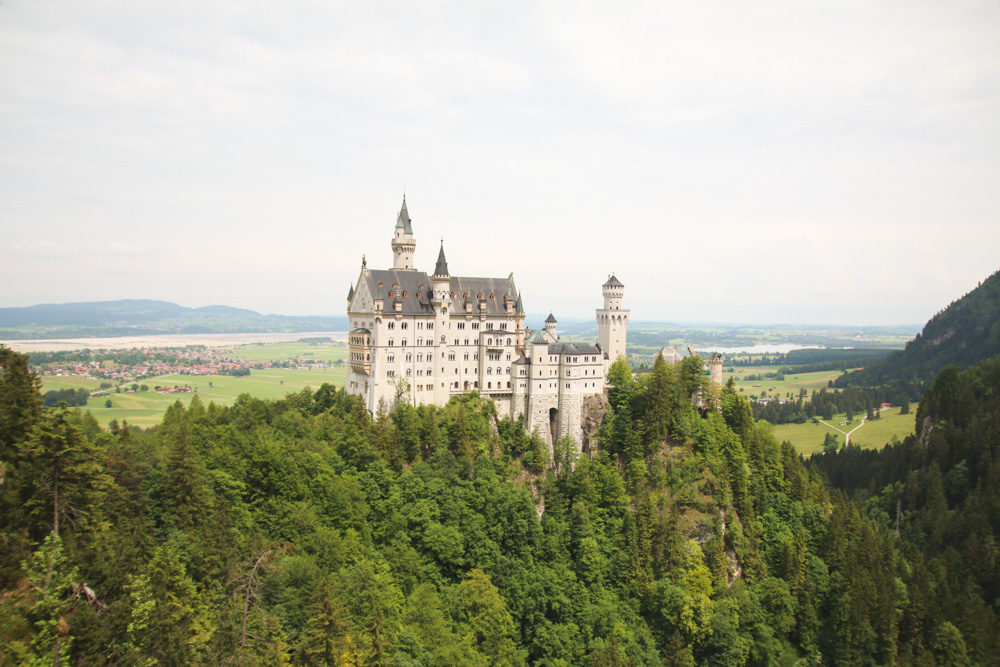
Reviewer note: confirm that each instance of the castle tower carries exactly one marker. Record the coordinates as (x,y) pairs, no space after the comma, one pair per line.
(519,319)
(715,368)
(551,326)
(441,302)
(403,243)
(612,320)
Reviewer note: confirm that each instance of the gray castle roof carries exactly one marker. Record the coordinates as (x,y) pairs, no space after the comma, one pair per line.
(403,219)
(551,319)
(350,293)
(573,348)
(408,285)
(613,282)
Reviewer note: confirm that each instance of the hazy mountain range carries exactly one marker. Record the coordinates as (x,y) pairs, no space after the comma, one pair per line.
(146,316)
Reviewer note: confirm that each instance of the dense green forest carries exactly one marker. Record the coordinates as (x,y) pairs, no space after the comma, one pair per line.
(306,531)
(965,332)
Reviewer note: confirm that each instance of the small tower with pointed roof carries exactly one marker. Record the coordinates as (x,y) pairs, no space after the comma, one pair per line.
(403,243)
(552,327)
(612,320)
(441,282)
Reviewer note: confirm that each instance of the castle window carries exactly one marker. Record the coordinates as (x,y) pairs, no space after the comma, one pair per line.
(466,341)
(430,326)
(390,342)
(403,325)
(489,371)
(489,341)
(456,341)
(461,325)
(508,341)
(503,325)
(475,325)
(409,357)
(466,356)
(404,343)
(392,325)
(508,384)
(390,374)
(409,372)
(420,341)
(508,356)
(451,356)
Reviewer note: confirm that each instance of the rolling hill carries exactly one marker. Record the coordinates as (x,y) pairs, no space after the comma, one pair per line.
(145,316)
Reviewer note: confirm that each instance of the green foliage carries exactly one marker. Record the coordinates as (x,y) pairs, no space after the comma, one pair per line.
(445,536)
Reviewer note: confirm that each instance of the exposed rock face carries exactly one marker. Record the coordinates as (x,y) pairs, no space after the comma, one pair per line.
(593,411)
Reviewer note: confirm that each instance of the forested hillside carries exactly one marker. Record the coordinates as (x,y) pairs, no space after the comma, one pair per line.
(305,531)
(965,332)
(940,490)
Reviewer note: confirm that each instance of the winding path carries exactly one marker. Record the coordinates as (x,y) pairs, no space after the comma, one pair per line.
(847,434)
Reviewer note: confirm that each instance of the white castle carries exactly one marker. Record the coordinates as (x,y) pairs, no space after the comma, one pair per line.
(423,339)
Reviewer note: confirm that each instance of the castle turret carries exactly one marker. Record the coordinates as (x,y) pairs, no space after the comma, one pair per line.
(519,320)
(612,320)
(403,243)
(441,303)
(715,368)
(551,326)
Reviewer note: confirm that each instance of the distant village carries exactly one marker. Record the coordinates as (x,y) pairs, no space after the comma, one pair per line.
(126,366)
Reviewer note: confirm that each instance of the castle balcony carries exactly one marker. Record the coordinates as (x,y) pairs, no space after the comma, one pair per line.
(360,345)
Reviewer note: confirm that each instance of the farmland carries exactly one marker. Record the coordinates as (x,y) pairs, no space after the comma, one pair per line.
(145,408)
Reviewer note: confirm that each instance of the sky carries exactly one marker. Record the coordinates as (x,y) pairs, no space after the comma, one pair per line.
(770,162)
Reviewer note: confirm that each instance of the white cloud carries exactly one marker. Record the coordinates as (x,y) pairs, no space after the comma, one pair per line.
(726,159)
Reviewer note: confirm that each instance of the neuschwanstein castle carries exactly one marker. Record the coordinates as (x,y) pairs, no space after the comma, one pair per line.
(425,338)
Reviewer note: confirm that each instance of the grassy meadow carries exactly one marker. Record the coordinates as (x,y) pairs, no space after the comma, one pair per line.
(808,438)
(53,382)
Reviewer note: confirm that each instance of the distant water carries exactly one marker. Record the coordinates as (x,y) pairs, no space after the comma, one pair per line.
(760,348)
(166,340)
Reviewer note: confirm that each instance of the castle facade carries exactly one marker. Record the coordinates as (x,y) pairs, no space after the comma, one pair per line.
(423,338)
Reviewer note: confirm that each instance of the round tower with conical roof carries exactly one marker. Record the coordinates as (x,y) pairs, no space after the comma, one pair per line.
(612,320)
(403,243)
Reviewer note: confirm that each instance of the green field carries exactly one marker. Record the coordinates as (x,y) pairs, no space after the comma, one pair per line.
(792,383)
(283,351)
(51,382)
(146,408)
(808,437)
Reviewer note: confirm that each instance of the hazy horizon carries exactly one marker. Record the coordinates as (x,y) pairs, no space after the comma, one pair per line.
(824,164)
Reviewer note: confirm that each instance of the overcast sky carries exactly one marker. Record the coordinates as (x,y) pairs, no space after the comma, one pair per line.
(824,162)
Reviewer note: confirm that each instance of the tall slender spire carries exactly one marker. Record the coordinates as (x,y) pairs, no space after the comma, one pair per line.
(441,268)
(403,219)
